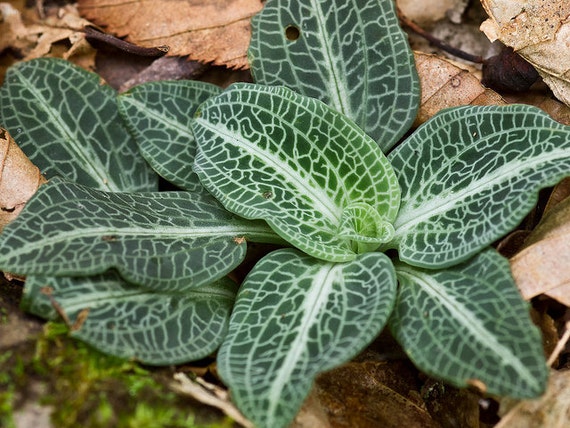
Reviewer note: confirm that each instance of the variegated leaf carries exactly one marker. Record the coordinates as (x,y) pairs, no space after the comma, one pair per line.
(270,153)
(470,175)
(469,326)
(167,241)
(296,316)
(351,54)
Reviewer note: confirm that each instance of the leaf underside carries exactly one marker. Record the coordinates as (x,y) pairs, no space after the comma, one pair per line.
(158,115)
(469,326)
(270,153)
(170,241)
(68,124)
(294,317)
(470,175)
(350,54)
(131,322)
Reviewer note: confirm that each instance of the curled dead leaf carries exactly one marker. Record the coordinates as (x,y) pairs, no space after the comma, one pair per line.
(539,30)
(19,179)
(444,84)
(542,267)
(216,31)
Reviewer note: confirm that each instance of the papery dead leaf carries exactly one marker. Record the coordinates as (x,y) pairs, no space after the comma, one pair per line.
(216,31)
(19,179)
(30,39)
(538,30)
(443,85)
(65,24)
(552,410)
(542,267)
(14,33)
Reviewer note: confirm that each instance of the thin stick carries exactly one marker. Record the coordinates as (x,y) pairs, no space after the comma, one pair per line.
(408,23)
(560,345)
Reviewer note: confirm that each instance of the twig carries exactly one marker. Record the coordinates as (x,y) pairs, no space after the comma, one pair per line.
(560,345)
(408,23)
(94,35)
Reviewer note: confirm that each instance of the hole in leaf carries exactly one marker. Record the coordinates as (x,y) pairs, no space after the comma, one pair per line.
(292,33)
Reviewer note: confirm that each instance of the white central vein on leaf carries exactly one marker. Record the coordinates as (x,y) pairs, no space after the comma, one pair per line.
(314,304)
(93,167)
(322,203)
(468,320)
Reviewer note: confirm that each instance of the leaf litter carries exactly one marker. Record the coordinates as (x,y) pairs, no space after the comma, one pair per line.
(215,31)
(444,84)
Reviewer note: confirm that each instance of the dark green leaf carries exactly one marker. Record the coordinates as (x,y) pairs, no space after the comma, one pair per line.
(68,124)
(129,321)
(296,316)
(469,326)
(159,115)
(351,54)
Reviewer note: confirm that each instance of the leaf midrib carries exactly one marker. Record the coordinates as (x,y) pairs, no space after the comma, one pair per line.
(322,201)
(136,233)
(170,122)
(337,91)
(467,320)
(79,302)
(408,218)
(93,168)
(314,302)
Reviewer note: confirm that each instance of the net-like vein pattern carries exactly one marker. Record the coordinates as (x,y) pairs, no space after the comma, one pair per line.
(351,54)
(294,317)
(166,240)
(470,175)
(272,154)
(469,324)
(128,321)
(68,124)
(158,115)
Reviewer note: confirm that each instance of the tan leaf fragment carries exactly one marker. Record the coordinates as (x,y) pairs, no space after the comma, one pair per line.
(14,33)
(443,85)
(216,31)
(32,38)
(552,410)
(539,30)
(65,24)
(19,179)
(543,266)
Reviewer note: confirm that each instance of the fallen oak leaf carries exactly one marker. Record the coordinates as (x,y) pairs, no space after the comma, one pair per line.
(216,31)
(539,31)
(19,179)
(444,85)
(542,267)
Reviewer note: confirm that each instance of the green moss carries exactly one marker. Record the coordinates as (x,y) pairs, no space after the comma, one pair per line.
(89,389)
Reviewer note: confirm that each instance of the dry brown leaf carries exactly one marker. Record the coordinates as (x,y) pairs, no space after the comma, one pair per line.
(32,38)
(543,266)
(443,85)
(216,31)
(15,34)
(19,179)
(552,410)
(539,30)
(428,13)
